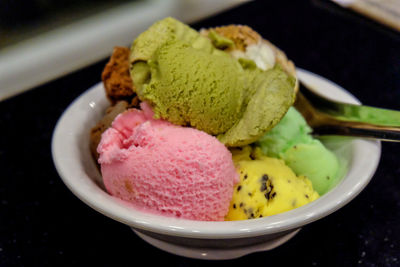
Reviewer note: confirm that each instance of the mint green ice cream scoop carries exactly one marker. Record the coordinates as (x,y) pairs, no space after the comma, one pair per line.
(291,141)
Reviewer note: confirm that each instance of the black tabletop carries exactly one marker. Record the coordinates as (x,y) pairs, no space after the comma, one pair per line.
(43,224)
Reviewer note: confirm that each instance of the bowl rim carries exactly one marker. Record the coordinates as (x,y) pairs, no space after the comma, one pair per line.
(65,146)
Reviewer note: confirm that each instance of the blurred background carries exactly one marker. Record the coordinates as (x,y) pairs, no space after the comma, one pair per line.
(41,40)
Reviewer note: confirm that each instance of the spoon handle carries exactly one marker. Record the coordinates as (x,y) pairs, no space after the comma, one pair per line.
(350,112)
(328,117)
(381,133)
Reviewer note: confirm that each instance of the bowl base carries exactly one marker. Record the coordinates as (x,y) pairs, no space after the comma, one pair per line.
(214,253)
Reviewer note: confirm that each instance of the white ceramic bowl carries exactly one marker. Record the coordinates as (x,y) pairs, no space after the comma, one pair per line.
(198,239)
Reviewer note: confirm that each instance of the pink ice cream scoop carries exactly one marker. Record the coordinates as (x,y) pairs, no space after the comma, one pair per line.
(166,169)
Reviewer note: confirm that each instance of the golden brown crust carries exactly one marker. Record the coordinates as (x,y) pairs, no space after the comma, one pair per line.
(241,35)
(116,78)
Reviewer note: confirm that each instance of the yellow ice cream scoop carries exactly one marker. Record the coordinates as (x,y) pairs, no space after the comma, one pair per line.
(267,186)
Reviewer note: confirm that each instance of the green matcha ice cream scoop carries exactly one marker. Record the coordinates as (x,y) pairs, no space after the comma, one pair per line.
(189,80)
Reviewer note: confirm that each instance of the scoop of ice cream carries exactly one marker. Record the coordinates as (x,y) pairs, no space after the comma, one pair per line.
(267,187)
(185,87)
(190,82)
(291,141)
(103,124)
(166,169)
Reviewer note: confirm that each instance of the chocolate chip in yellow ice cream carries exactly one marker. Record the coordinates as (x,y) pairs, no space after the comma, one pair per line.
(267,186)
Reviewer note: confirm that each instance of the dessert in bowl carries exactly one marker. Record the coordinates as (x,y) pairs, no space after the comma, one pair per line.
(251,228)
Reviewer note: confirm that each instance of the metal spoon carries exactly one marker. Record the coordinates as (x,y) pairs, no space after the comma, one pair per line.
(328,117)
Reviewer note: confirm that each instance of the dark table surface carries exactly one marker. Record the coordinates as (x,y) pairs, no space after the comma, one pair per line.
(43,224)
